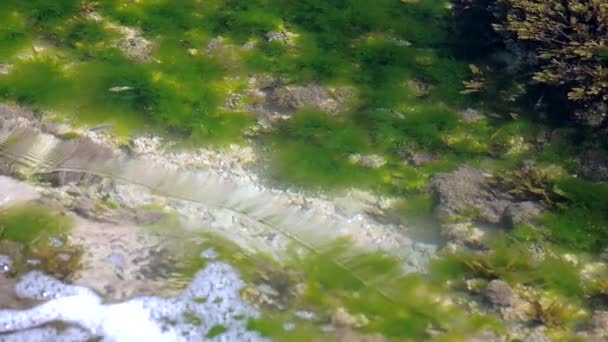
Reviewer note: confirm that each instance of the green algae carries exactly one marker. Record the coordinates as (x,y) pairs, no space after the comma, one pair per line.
(40,82)
(41,234)
(216,330)
(581,224)
(338,42)
(27,224)
(314,148)
(513,262)
(344,41)
(402,308)
(13,33)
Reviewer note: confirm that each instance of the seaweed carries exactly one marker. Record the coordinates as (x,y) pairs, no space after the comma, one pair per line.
(26,223)
(513,262)
(581,223)
(530,184)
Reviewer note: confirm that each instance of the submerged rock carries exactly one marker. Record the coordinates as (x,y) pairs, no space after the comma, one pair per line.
(293,98)
(522,213)
(370,161)
(418,88)
(271,98)
(283,37)
(350,335)
(6,264)
(536,336)
(341,317)
(13,191)
(463,233)
(599,321)
(413,157)
(593,115)
(499,293)
(467,193)
(594,166)
(471,115)
(135,46)
(8,298)
(467,189)
(5,69)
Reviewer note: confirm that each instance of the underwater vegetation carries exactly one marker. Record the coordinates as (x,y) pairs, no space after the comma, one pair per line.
(379,299)
(31,232)
(530,183)
(26,224)
(392,53)
(582,223)
(347,42)
(559,44)
(514,262)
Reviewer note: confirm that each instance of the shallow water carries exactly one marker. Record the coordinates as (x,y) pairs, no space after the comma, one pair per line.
(280,155)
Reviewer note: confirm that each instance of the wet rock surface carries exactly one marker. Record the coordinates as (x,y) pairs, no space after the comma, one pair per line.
(8,297)
(15,192)
(466,192)
(467,189)
(272,98)
(283,37)
(418,88)
(526,212)
(464,234)
(370,161)
(112,261)
(594,166)
(499,293)
(292,98)
(594,114)
(471,115)
(414,157)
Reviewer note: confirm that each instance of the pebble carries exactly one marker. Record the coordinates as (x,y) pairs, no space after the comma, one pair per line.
(6,263)
(306,315)
(289,326)
(209,253)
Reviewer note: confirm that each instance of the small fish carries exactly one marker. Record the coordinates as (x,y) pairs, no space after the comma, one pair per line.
(101,128)
(539,104)
(119,89)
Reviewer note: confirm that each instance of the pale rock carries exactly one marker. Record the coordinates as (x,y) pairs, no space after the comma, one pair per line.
(341,317)
(500,293)
(463,233)
(370,161)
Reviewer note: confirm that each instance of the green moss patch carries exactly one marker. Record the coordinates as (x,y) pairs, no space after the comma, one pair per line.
(28,223)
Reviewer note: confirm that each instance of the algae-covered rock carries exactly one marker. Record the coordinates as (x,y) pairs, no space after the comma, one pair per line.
(594,166)
(135,46)
(522,213)
(465,190)
(537,336)
(463,233)
(13,191)
(471,115)
(342,317)
(414,157)
(282,36)
(370,161)
(599,321)
(499,293)
(292,98)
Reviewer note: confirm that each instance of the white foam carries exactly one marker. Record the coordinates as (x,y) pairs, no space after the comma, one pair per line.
(212,299)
